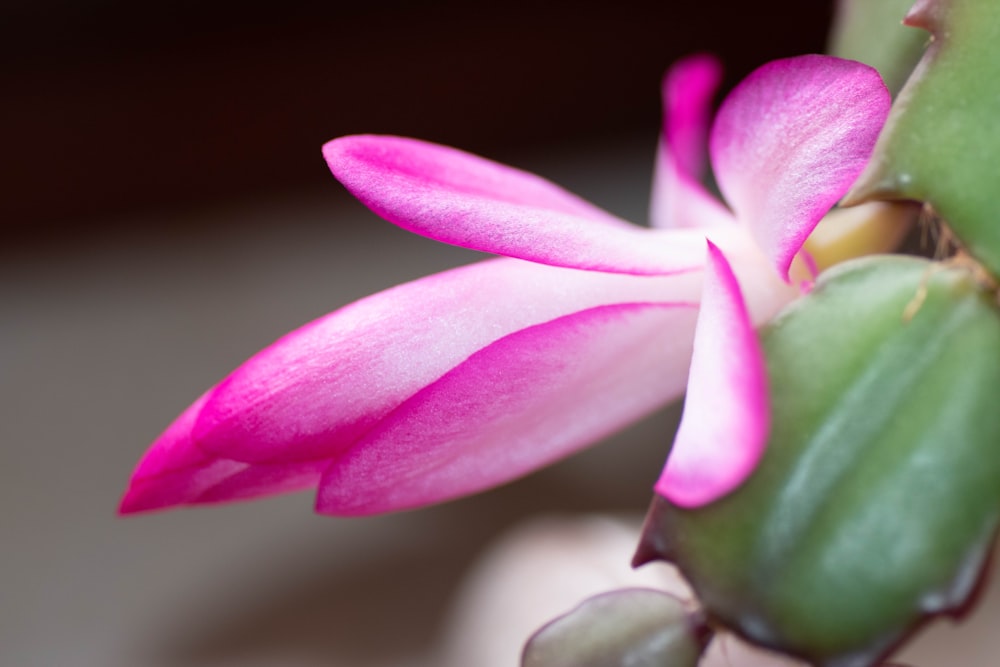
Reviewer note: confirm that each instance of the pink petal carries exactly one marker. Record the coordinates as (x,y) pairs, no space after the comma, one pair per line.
(465,200)
(679,200)
(790,140)
(175,471)
(217,481)
(522,402)
(319,389)
(726,418)
(272,425)
(688,89)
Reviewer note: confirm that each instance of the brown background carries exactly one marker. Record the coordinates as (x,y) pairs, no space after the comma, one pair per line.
(110,107)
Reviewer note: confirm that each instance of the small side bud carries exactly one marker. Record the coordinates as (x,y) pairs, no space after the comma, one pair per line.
(635,627)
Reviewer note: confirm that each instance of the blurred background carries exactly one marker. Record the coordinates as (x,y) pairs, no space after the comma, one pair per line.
(166,213)
(110,108)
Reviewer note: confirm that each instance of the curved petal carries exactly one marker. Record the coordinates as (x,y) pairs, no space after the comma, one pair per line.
(790,140)
(688,89)
(726,419)
(217,481)
(173,469)
(524,401)
(679,200)
(322,387)
(175,472)
(174,449)
(459,198)
(273,424)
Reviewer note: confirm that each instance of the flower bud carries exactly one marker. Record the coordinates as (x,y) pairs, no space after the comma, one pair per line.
(636,627)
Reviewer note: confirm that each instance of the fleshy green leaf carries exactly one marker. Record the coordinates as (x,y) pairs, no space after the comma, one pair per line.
(633,627)
(942,138)
(878,497)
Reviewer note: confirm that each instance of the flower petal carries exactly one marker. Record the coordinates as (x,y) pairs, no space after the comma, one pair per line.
(459,198)
(217,481)
(726,417)
(176,472)
(516,405)
(273,424)
(679,200)
(319,389)
(688,89)
(790,140)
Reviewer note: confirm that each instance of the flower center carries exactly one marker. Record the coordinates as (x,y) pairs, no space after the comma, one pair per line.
(847,233)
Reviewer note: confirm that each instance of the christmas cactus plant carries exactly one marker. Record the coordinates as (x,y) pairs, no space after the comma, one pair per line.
(835,479)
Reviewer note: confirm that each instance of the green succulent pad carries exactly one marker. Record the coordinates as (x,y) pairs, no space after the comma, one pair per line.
(877,500)
(633,626)
(942,137)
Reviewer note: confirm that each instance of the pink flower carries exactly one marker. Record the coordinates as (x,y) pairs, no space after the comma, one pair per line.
(466,379)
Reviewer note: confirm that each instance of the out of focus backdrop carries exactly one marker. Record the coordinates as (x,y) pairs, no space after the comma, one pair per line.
(166,213)
(110,108)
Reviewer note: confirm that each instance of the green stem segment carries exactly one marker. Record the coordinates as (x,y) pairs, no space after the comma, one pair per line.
(941,141)
(876,503)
